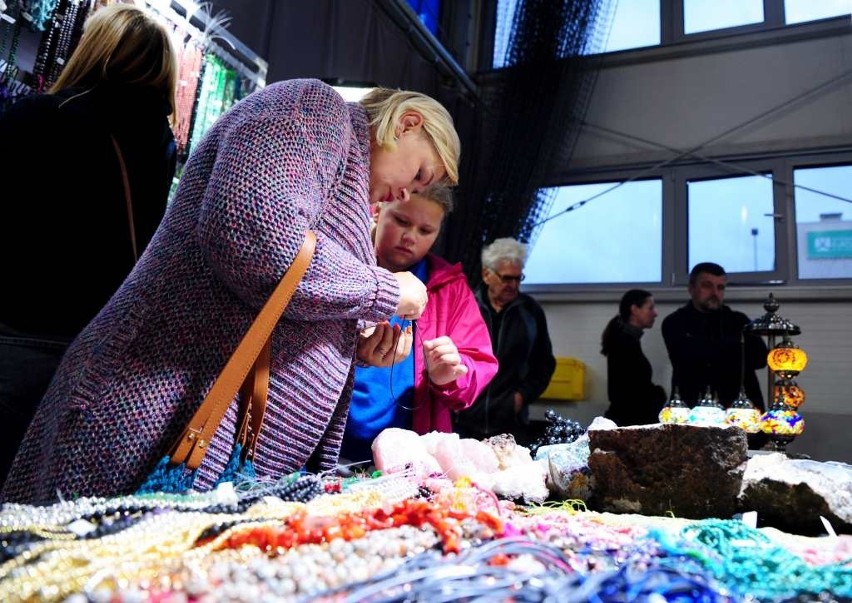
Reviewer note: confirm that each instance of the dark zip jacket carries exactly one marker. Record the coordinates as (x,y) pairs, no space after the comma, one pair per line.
(706,350)
(526,364)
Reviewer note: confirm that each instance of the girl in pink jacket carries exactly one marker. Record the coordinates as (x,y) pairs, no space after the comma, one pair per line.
(451,360)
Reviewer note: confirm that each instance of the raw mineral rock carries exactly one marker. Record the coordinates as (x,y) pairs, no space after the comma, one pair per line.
(792,494)
(569,476)
(688,471)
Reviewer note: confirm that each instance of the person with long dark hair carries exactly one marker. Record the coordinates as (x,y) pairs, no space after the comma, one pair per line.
(634,399)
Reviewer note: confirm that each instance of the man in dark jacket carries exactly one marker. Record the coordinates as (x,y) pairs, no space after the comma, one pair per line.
(708,347)
(520,341)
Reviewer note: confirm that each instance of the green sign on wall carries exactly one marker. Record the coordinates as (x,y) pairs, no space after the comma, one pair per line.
(830,244)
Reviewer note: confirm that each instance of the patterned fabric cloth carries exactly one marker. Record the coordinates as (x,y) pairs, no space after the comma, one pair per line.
(290,157)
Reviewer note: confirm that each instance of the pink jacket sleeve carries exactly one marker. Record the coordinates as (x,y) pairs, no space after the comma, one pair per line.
(452,310)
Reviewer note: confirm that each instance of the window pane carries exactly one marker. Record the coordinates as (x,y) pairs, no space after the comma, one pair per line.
(707,15)
(613,238)
(730,223)
(621,25)
(799,11)
(636,23)
(823,222)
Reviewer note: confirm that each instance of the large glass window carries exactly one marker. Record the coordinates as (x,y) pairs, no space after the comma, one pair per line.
(731,223)
(629,24)
(707,15)
(613,236)
(782,220)
(823,197)
(636,23)
(799,11)
(623,24)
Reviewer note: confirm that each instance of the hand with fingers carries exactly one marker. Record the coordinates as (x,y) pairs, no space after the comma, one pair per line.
(443,360)
(384,344)
(412,296)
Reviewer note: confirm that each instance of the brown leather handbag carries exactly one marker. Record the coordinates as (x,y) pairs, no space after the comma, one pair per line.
(246,371)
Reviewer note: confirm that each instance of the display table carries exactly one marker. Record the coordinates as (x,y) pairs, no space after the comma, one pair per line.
(393,538)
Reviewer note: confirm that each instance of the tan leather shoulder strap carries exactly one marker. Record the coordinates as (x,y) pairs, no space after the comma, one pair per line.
(192,444)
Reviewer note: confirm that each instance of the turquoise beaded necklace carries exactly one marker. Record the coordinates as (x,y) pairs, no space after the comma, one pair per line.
(750,562)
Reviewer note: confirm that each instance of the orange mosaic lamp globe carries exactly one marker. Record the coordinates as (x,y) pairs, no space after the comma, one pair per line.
(794,396)
(787,359)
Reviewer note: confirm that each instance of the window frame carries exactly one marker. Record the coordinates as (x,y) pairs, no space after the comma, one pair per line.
(675,274)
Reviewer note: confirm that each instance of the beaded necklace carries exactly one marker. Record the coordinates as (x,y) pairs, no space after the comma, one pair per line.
(751,563)
(10,87)
(189,72)
(214,98)
(68,31)
(44,54)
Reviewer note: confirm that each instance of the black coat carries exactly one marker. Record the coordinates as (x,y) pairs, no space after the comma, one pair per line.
(705,351)
(65,241)
(526,364)
(633,397)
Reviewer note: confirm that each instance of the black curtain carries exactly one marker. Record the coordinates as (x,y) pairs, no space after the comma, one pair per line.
(525,125)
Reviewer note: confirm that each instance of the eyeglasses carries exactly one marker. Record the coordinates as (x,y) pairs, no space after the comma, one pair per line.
(508,278)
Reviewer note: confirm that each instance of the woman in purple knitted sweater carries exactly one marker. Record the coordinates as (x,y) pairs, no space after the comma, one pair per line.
(291,157)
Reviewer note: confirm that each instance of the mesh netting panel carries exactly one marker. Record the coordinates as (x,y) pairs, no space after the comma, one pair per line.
(525,126)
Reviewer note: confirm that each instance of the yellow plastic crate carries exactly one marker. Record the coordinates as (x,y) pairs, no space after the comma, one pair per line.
(568,380)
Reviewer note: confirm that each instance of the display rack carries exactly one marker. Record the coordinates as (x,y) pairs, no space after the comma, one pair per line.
(201,23)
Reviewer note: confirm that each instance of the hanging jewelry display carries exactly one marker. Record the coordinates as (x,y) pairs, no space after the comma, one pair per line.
(38,13)
(9,87)
(67,35)
(189,73)
(214,98)
(44,55)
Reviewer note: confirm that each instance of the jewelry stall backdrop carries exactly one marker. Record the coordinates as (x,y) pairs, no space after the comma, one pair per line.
(215,69)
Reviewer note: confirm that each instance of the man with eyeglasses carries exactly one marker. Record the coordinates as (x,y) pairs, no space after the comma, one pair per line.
(520,341)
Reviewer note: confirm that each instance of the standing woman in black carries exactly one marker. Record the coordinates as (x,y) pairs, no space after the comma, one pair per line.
(634,399)
(67,242)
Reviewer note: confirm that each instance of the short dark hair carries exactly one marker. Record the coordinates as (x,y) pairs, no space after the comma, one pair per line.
(708,267)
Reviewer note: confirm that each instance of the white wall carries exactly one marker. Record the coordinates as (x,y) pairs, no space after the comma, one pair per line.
(686,97)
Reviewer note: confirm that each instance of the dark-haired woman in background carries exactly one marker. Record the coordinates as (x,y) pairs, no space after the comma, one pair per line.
(634,399)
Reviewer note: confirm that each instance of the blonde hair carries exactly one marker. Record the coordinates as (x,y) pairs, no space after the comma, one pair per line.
(385,108)
(123,44)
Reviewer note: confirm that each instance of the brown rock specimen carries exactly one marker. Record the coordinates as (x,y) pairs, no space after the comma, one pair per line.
(795,495)
(687,471)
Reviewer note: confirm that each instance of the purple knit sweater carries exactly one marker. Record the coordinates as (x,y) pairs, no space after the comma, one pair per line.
(287,158)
